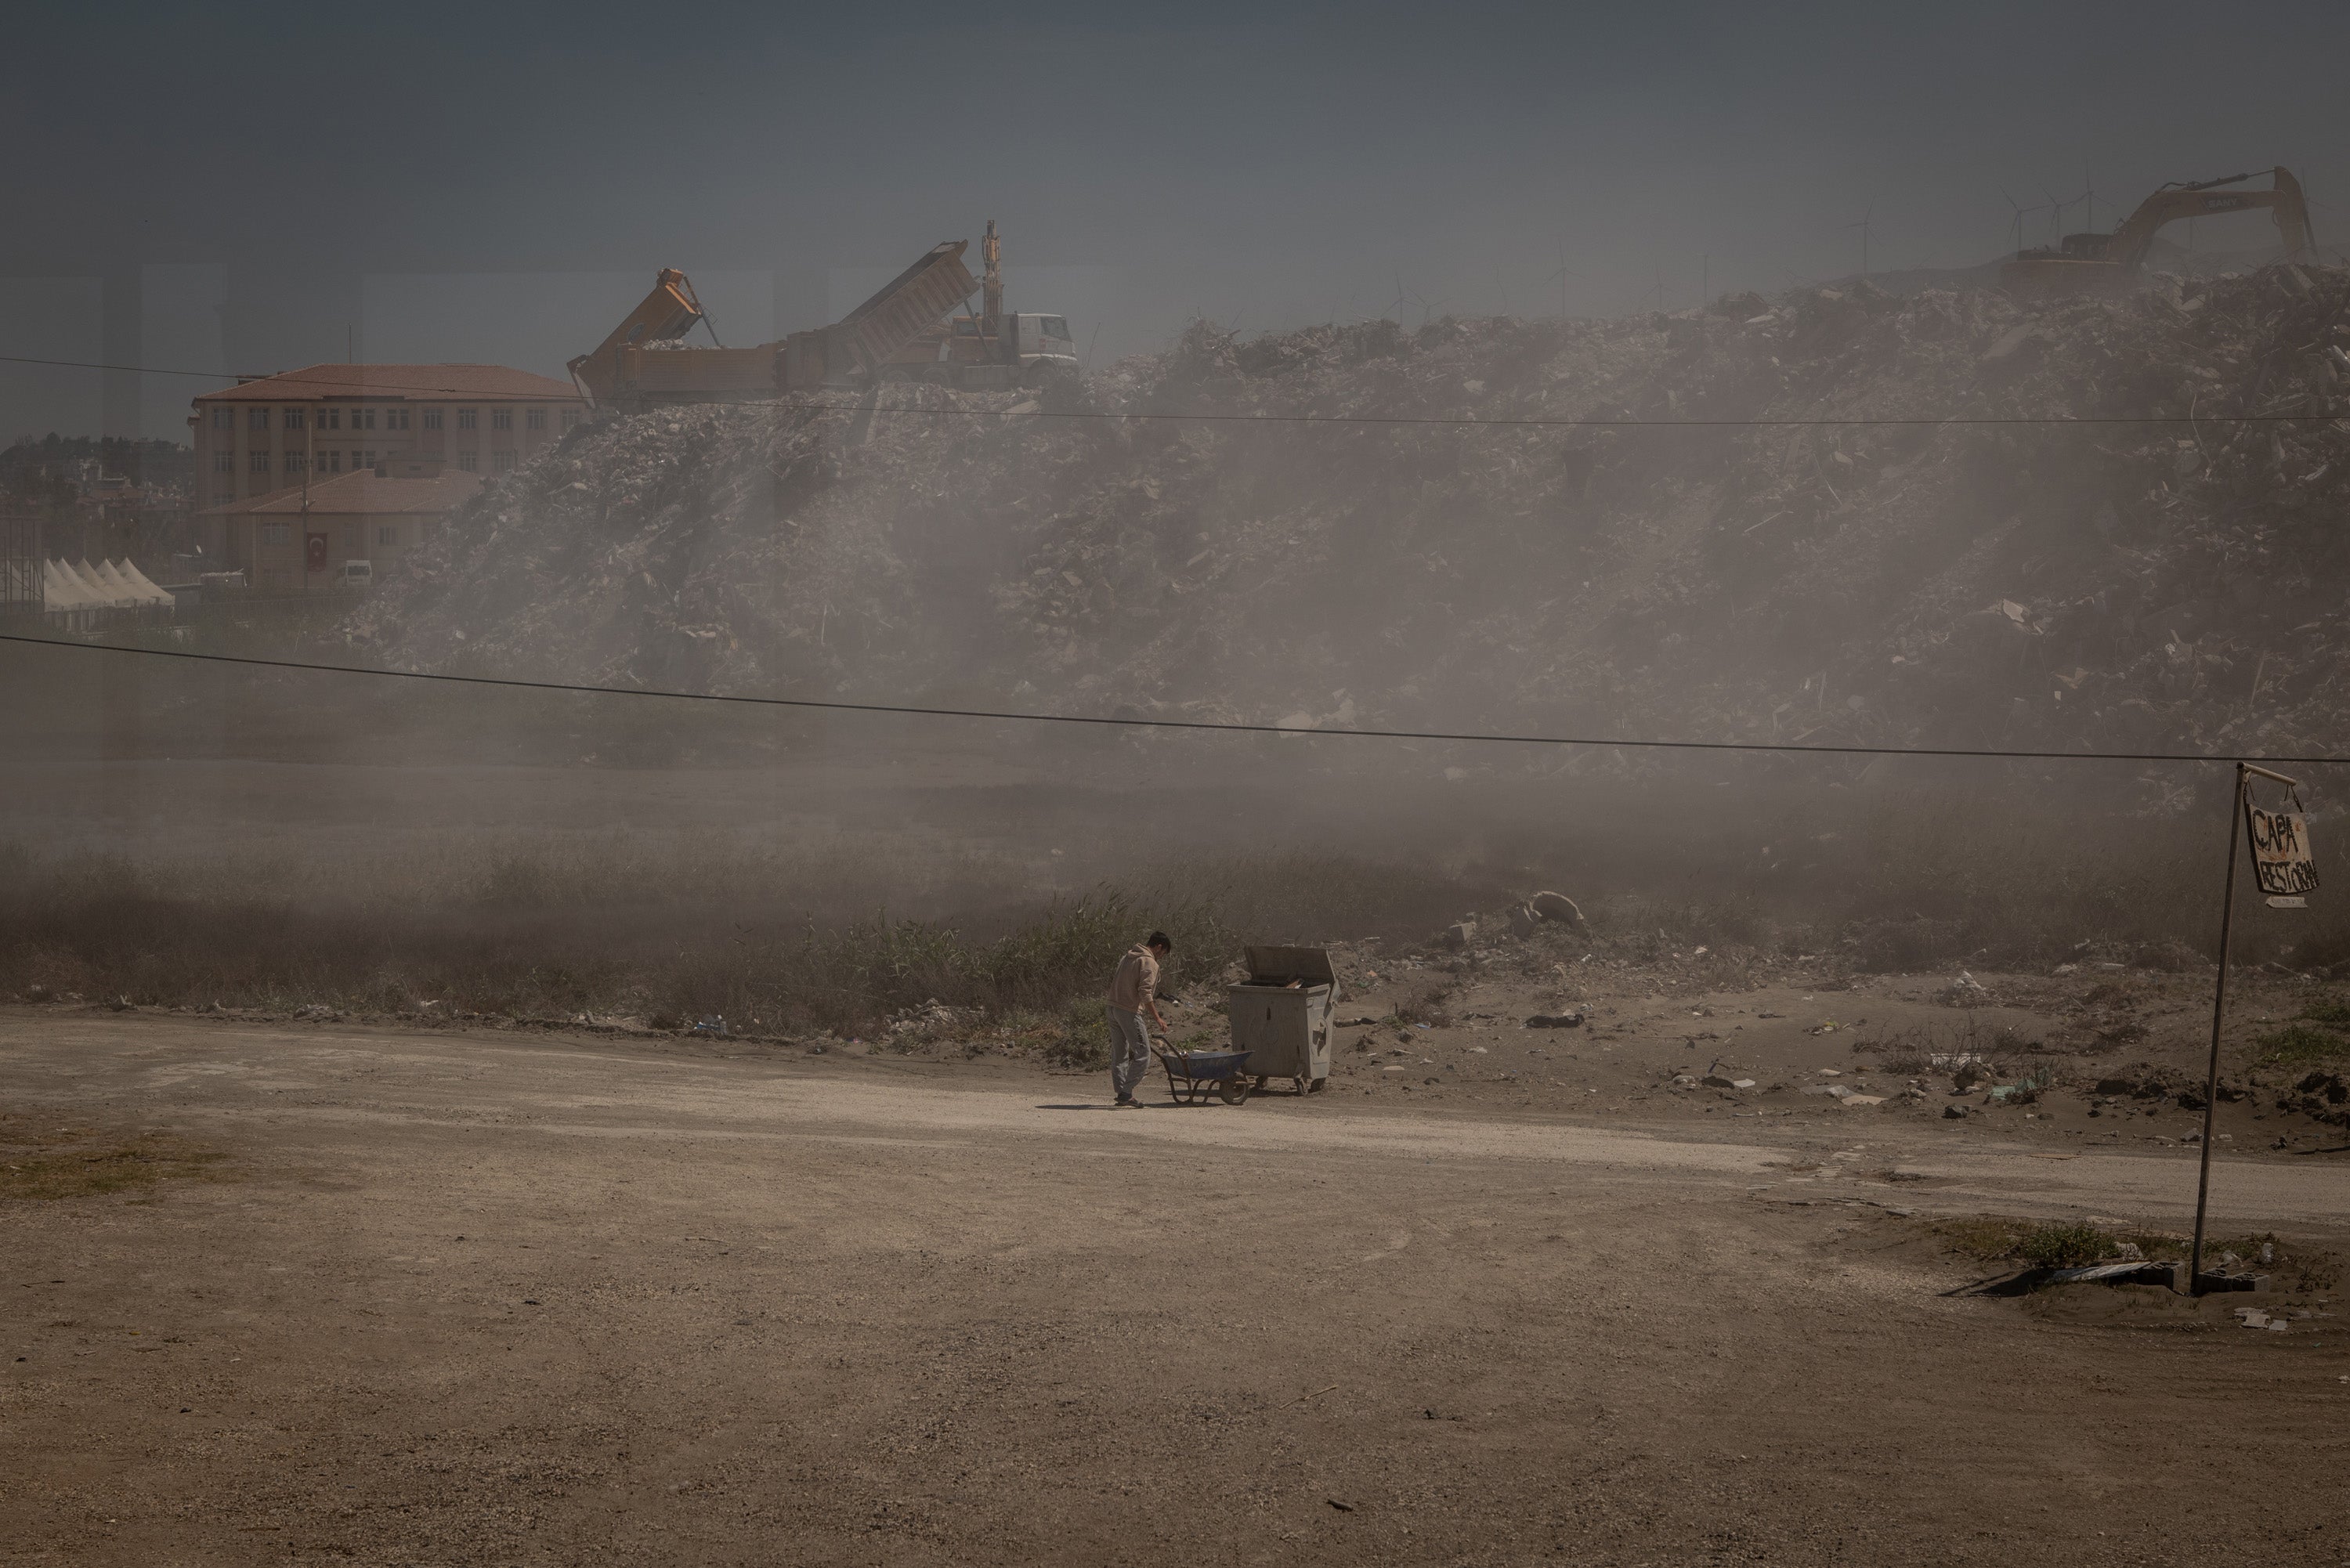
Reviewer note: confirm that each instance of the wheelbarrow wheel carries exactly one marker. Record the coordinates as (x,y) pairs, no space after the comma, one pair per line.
(1233,1090)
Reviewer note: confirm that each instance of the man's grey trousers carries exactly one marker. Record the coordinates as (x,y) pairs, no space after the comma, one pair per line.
(1129,1050)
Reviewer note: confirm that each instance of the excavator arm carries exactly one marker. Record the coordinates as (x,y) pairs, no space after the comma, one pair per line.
(2129,243)
(669,311)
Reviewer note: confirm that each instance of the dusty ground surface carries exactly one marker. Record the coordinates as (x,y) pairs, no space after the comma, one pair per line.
(481,1297)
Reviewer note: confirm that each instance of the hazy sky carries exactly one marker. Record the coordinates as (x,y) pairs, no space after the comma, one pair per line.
(261,186)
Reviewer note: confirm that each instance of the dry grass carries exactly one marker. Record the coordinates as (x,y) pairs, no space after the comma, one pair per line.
(1425,1002)
(785,935)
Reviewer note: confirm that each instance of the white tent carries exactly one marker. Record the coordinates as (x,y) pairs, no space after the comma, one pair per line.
(140,580)
(61,591)
(137,584)
(82,590)
(104,579)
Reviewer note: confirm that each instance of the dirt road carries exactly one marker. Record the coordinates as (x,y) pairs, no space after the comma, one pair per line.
(496,1298)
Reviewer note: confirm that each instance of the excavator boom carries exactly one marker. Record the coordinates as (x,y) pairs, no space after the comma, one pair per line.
(2103,261)
(2132,241)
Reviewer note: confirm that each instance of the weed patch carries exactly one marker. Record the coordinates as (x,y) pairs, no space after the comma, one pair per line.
(79,1162)
(2303,1044)
(2064,1246)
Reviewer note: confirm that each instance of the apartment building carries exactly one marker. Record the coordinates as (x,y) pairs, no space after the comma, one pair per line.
(269,433)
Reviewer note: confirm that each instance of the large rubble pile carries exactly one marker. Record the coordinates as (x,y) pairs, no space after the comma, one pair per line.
(2120,584)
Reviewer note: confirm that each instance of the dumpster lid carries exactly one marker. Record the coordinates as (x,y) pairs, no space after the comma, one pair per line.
(1279,966)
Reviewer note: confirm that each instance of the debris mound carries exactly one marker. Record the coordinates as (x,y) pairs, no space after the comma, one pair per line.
(1706,547)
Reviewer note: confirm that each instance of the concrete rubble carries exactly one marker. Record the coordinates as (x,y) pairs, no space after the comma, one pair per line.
(2120,585)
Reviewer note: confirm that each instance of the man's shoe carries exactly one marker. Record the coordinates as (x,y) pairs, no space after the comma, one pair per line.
(1126,1103)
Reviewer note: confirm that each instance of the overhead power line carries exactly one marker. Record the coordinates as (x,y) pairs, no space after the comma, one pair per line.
(916,710)
(354,387)
(1595,422)
(2187,420)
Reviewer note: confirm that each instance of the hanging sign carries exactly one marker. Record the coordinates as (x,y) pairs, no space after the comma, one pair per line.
(314,552)
(2282,863)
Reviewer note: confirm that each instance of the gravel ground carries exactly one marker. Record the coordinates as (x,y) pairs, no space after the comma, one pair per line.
(487,1298)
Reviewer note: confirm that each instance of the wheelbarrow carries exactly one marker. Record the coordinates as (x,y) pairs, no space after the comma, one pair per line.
(1193,1075)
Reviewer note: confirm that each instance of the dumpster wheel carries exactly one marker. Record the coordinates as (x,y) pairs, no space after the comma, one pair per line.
(1318,1085)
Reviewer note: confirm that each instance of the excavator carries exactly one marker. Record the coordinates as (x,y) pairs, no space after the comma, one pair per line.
(897,335)
(2101,264)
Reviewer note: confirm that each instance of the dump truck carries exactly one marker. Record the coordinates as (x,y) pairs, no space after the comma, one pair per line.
(897,335)
(2105,263)
(990,348)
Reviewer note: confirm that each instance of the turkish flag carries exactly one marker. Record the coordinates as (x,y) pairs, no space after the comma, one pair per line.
(314,552)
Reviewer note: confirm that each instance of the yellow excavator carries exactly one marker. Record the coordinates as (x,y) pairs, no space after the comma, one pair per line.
(2101,264)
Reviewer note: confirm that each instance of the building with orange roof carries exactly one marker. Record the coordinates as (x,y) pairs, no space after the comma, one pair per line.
(300,539)
(269,433)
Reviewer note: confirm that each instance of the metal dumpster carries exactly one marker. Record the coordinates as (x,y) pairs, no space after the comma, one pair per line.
(1280,1015)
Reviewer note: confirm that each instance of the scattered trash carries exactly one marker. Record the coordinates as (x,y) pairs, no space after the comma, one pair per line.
(1554,906)
(2216,1280)
(2169,1276)
(1964,992)
(1555,1021)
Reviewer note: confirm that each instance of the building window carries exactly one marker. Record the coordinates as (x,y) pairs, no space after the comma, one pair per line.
(395,418)
(332,462)
(330,418)
(501,418)
(570,418)
(504,461)
(362,459)
(257,420)
(225,493)
(431,418)
(259,462)
(536,419)
(293,462)
(469,461)
(387,534)
(465,418)
(362,419)
(223,462)
(277,533)
(223,418)
(293,419)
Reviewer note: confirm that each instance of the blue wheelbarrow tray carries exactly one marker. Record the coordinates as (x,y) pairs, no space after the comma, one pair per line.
(1193,1075)
(1214,1064)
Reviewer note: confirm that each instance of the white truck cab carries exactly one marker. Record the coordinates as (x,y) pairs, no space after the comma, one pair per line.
(1041,339)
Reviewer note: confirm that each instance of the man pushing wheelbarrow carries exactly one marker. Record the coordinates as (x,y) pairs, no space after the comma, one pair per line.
(1133,990)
